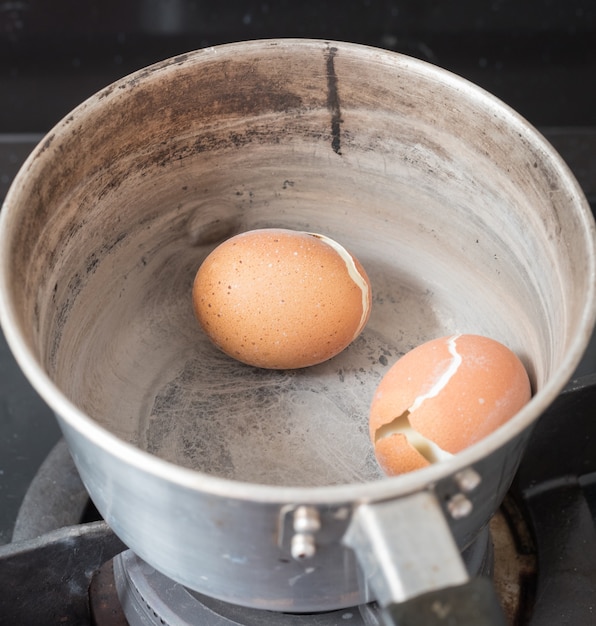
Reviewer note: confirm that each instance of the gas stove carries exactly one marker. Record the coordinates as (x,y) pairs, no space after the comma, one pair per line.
(60,563)
(64,565)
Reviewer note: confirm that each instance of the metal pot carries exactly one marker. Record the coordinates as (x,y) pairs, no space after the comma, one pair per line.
(258,487)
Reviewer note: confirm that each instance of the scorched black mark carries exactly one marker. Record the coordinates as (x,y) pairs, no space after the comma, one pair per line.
(333,100)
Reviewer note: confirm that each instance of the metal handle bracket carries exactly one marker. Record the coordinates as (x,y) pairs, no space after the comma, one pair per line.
(405,548)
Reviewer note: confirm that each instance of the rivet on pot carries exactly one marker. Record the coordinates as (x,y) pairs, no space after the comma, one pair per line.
(303,546)
(468,479)
(459,506)
(306,520)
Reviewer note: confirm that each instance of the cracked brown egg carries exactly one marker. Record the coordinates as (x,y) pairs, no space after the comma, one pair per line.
(442,397)
(281,299)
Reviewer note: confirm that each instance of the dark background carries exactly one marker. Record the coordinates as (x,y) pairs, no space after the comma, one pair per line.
(539,56)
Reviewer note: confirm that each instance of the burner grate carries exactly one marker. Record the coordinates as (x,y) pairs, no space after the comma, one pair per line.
(588,484)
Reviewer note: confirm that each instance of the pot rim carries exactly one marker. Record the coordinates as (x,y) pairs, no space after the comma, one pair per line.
(382,489)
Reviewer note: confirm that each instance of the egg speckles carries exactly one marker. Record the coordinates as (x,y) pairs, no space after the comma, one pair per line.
(442,397)
(281,299)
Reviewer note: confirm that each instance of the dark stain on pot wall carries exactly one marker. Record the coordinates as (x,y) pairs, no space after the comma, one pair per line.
(333,100)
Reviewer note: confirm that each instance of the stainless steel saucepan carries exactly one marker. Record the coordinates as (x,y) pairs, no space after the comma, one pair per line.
(260,487)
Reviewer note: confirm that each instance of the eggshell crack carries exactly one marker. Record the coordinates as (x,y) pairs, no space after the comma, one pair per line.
(442,397)
(426,448)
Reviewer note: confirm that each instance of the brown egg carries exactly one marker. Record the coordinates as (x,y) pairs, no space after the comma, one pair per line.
(442,397)
(281,299)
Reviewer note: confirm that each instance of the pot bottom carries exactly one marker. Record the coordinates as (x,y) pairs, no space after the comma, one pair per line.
(148,597)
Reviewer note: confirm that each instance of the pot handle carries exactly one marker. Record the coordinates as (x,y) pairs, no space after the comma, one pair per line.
(412,565)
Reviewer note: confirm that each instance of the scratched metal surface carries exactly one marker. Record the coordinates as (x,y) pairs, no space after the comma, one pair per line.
(538,57)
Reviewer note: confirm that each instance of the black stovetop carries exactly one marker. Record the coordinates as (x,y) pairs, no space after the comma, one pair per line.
(539,56)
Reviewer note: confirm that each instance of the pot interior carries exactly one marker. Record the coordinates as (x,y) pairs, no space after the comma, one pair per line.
(464,219)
